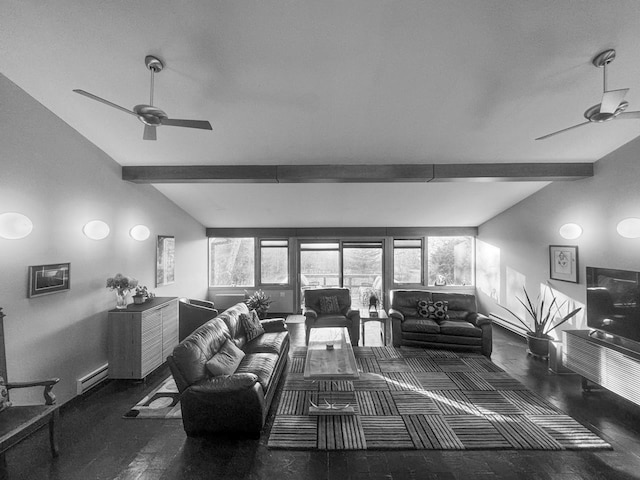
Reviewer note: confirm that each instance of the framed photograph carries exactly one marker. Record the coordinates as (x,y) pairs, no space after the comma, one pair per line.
(563,261)
(46,279)
(165,260)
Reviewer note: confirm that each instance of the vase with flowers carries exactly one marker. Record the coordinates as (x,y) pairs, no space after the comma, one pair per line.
(121,284)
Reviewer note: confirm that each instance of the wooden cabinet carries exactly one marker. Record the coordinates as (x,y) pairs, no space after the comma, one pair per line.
(141,337)
(612,365)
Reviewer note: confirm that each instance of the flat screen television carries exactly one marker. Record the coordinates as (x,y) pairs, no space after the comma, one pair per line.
(613,302)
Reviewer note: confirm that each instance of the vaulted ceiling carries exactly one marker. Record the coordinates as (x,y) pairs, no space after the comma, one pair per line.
(356,82)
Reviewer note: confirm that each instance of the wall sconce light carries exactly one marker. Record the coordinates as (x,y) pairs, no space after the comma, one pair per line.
(96,230)
(14,226)
(629,228)
(570,231)
(139,232)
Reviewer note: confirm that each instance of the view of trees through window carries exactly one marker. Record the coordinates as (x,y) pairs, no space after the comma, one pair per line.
(450,261)
(407,261)
(231,262)
(274,262)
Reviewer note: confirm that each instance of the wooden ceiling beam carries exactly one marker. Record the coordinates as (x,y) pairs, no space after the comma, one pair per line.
(366,173)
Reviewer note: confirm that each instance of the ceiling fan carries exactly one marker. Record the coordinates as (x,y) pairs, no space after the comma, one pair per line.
(612,105)
(151,116)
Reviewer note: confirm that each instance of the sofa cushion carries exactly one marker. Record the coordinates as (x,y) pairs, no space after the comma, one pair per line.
(192,354)
(406,301)
(329,305)
(421,325)
(226,361)
(459,328)
(423,309)
(251,324)
(438,310)
(269,342)
(262,365)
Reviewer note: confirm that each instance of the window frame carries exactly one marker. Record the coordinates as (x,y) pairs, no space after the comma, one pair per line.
(258,260)
(423,264)
(209,277)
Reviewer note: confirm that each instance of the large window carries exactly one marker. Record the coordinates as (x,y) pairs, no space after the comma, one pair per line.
(362,271)
(231,262)
(274,262)
(450,261)
(407,261)
(319,264)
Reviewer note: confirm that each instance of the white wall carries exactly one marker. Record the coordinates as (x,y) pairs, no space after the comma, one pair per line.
(524,232)
(60,181)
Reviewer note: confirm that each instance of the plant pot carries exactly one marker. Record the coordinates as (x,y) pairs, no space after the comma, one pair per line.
(138,299)
(538,346)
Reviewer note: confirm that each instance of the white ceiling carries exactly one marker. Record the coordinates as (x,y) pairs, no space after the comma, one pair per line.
(333,82)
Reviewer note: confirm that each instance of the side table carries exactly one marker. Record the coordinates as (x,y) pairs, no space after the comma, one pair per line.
(383,318)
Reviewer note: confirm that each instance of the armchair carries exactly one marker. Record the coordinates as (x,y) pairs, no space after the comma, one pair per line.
(192,314)
(330,307)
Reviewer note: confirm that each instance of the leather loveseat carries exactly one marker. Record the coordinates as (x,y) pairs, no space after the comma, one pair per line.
(422,318)
(238,401)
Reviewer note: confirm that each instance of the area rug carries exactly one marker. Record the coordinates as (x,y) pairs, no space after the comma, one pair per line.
(411,398)
(162,402)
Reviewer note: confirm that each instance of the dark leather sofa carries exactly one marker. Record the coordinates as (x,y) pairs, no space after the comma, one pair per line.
(236,403)
(464,329)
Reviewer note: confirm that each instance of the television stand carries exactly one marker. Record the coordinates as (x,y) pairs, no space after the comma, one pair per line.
(610,365)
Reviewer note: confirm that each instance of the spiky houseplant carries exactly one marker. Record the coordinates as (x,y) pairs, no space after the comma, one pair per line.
(544,317)
(260,302)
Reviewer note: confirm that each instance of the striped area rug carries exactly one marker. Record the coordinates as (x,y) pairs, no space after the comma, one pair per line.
(411,398)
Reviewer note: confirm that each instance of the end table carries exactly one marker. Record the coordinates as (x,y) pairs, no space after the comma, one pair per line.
(383,318)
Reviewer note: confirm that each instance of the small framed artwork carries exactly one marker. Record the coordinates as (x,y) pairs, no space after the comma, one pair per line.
(165,260)
(563,261)
(46,279)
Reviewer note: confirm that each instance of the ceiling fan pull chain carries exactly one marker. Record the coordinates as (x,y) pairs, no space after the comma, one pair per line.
(604,77)
(151,95)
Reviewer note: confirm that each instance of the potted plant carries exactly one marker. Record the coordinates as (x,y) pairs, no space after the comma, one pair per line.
(121,284)
(141,295)
(543,317)
(260,302)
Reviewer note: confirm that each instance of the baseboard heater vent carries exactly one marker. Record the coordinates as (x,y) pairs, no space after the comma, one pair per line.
(92,379)
(508,324)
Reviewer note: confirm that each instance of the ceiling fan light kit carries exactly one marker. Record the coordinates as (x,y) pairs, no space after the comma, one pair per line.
(151,116)
(611,107)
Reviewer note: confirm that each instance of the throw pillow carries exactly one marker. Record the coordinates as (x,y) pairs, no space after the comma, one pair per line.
(329,305)
(252,326)
(226,361)
(423,309)
(438,310)
(4,395)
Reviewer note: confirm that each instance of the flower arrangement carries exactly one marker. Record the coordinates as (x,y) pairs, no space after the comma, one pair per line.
(259,301)
(121,283)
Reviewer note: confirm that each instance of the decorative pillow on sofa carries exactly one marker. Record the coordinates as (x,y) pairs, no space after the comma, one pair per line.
(329,305)
(434,310)
(251,324)
(4,395)
(226,361)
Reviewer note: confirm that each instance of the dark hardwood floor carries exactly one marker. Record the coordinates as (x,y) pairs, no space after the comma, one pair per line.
(97,443)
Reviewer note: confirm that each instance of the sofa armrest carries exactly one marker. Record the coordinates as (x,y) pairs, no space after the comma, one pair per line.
(225,383)
(393,313)
(353,314)
(201,303)
(478,319)
(310,313)
(274,325)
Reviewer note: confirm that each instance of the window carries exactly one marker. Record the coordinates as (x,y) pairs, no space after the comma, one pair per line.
(450,260)
(407,261)
(319,264)
(362,271)
(231,262)
(274,262)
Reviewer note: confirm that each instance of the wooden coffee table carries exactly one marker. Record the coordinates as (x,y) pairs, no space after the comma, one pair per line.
(330,357)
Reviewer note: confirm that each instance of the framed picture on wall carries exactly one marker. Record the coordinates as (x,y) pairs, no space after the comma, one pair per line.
(46,279)
(165,260)
(563,261)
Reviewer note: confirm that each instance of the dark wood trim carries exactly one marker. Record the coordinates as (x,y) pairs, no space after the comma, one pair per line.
(370,173)
(512,172)
(328,232)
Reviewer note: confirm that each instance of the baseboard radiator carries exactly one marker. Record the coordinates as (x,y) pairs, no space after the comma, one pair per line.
(92,379)
(508,324)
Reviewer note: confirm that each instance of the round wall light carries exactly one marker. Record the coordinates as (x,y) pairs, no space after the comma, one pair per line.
(570,231)
(96,230)
(140,232)
(14,226)
(629,228)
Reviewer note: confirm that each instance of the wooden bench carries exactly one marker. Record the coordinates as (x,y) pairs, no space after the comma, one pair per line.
(17,423)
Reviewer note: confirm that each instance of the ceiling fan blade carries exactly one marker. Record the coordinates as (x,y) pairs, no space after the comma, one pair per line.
(106,102)
(611,100)
(628,116)
(202,124)
(149,133)
(561,131)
